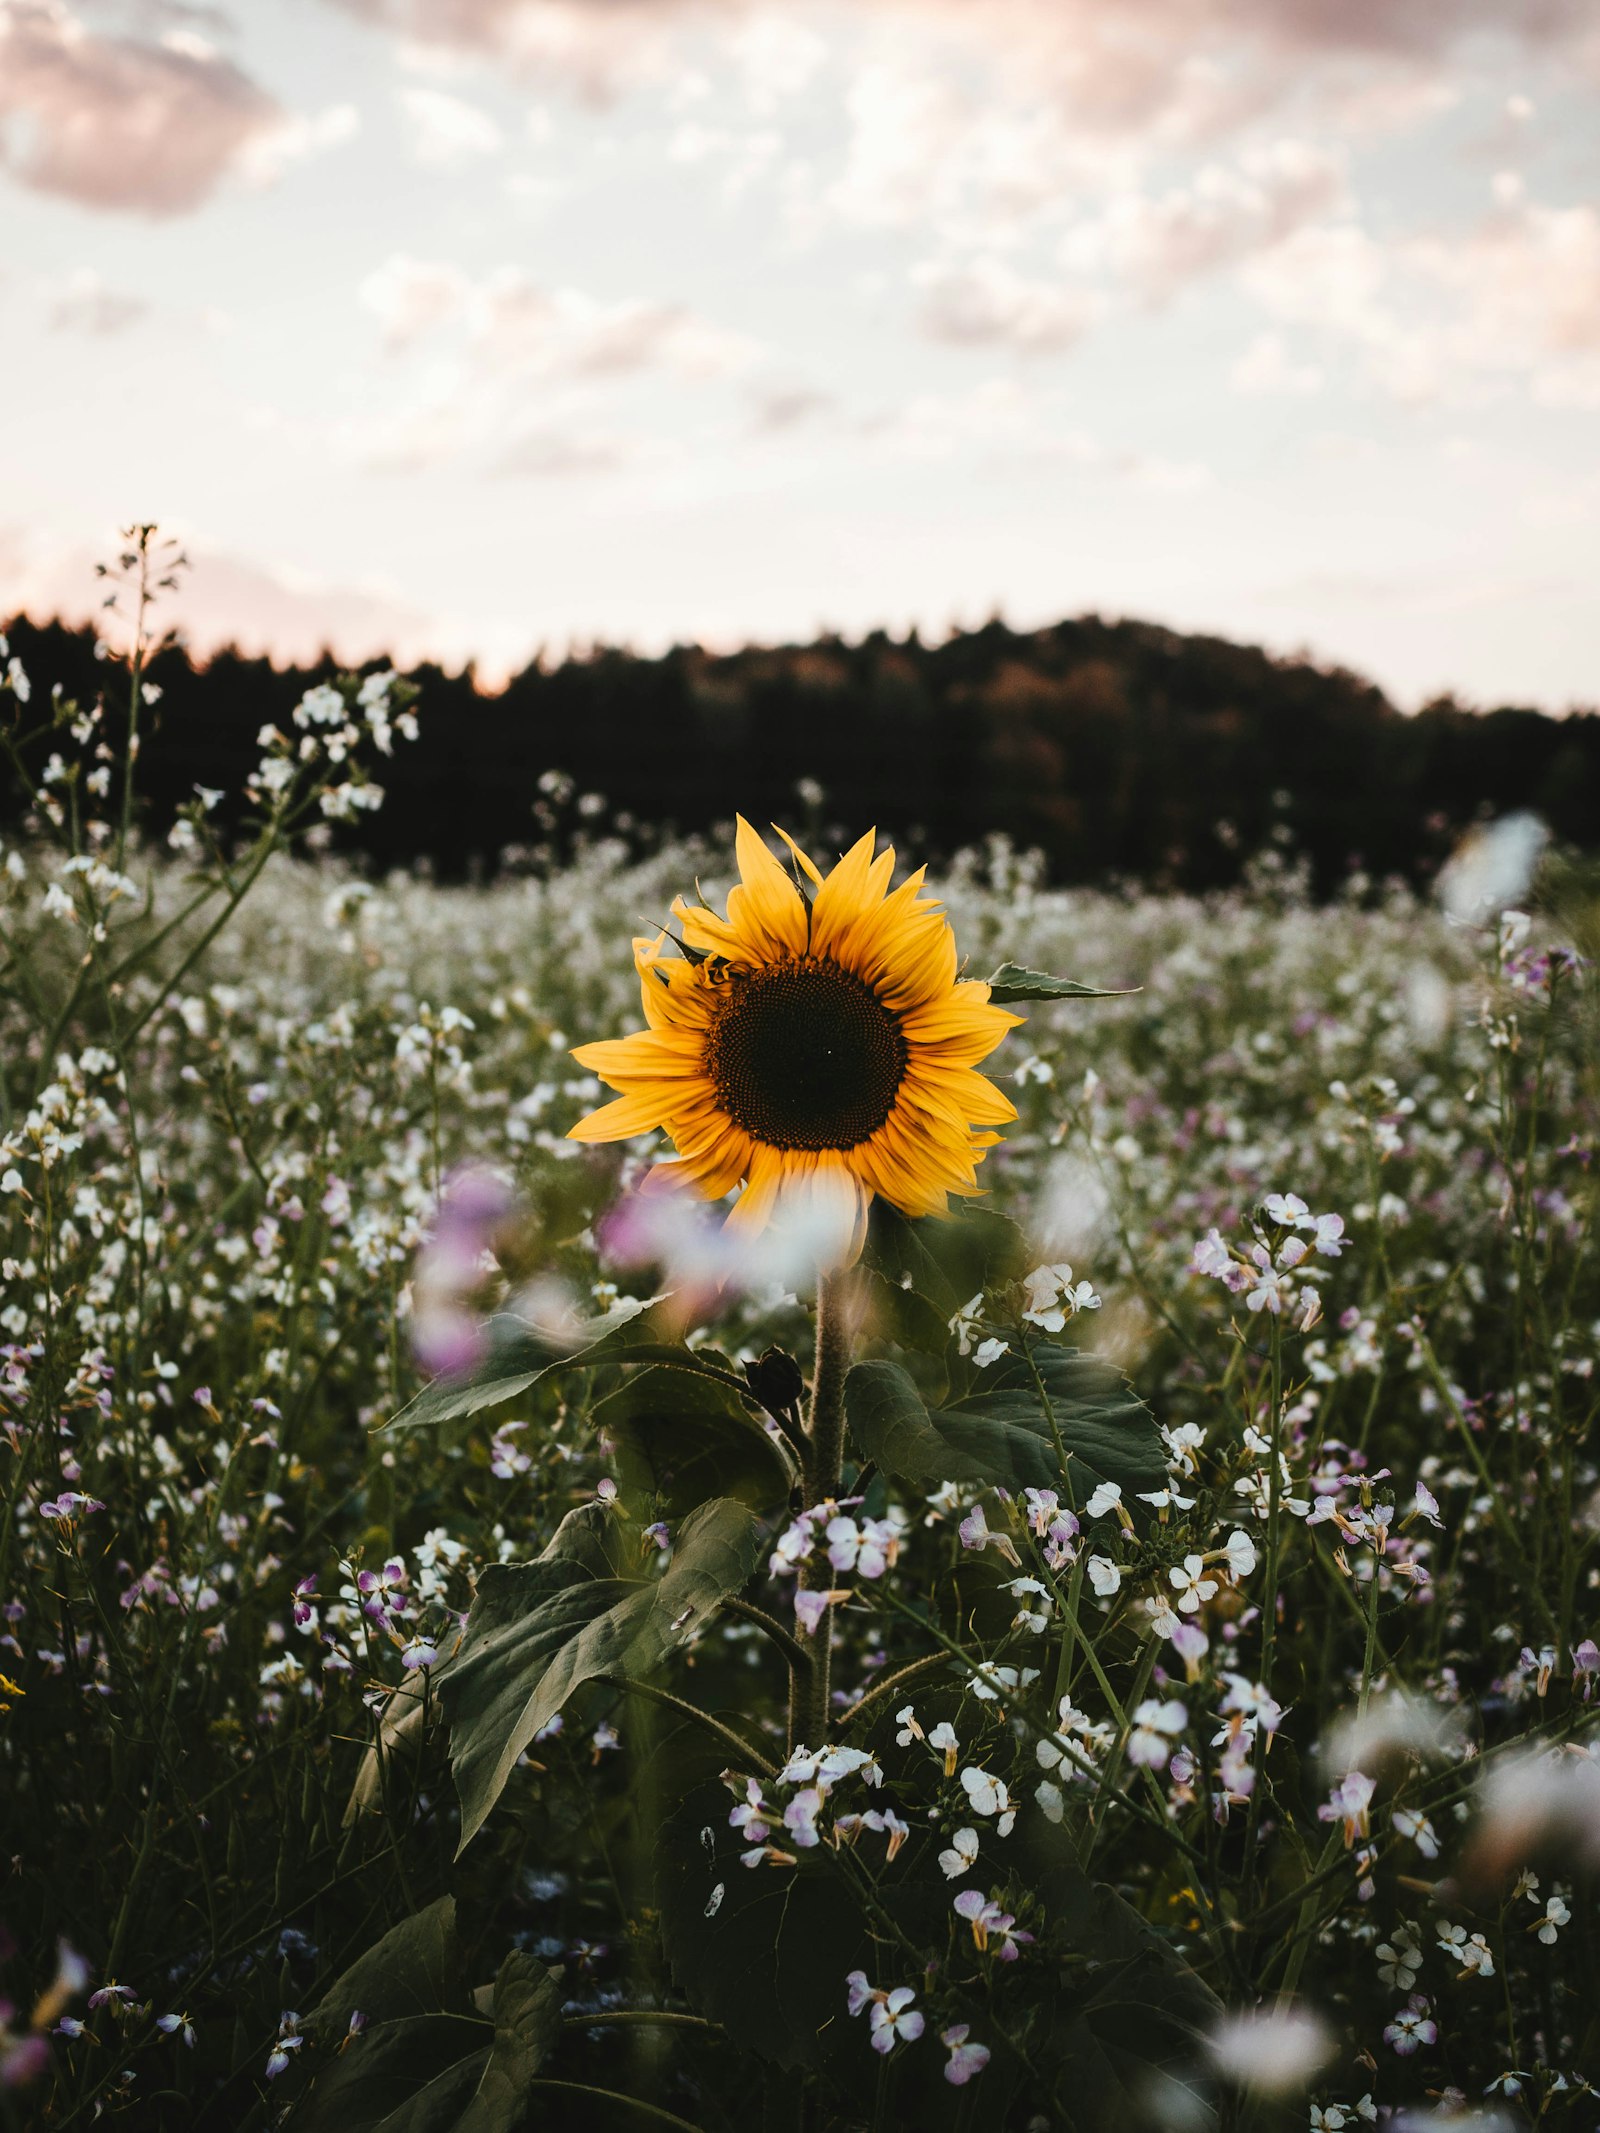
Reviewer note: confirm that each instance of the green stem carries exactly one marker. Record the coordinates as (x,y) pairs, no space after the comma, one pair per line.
(810,1702)
(660,2015)
(692,1711)
(1503,1525)
(628,2103)
(792,1649)
(894,1684)
(1269,1625)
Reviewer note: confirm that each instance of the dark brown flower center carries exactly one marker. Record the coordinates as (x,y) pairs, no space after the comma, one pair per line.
(803,1055)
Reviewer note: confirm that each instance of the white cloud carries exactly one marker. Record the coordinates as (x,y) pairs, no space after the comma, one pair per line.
(969,158)
(593,51)
(516,325)
(985,299)
(296,138)
(85,305)
(482,351)
(778,57)
(743,155)
(1266,368)
(546,451)
(410,297)
(1226,213)
(446,130)
(1514,302)
(121,123)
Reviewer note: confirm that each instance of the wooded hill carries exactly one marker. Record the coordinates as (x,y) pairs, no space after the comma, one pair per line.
(1118,747)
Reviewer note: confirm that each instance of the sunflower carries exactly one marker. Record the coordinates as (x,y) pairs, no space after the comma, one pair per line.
(816,1037)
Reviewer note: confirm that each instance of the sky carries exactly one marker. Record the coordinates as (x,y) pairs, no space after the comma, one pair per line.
(466,328)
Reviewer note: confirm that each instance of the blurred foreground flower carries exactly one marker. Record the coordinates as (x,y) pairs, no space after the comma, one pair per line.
(702,1260)
(447,1334)
(819,1031)
(1492,867)
(1537,1804)
(1271,2050)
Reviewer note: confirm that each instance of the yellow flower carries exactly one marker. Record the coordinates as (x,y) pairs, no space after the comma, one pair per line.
(815,1039)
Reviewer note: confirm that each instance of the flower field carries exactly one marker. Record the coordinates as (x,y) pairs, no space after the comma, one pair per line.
(1171,1707)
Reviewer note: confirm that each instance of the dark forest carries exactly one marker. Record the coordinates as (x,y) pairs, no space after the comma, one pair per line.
(1118,748)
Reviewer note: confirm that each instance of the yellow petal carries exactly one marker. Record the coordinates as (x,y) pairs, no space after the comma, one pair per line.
(807,866)
(853,885)
(646,1055)
(752,1211)
(618,1121)
(766,909)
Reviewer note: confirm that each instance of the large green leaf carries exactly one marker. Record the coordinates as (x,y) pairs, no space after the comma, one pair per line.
(764,1951)
(902,1314)
(539,1630)
(416,1969)
(527,2023)
(518,1355)
(412,2076)
(427,2062)
(946,1261)
(1012,983)
(1125,2042)
(683,1439)
(1003,1435)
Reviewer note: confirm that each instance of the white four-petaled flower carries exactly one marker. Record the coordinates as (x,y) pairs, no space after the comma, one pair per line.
(989,1796)
(961,1854)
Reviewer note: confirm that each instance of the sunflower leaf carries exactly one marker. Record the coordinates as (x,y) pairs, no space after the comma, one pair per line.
(904,1315)
(416,2075)
(1005,1435)
(540,1630)
(1131,2014)
(763,1953)
(427,2062)
(948,1261)
(1011,982)
(415,1969)
(682,1439)
(518,1355)
(527,2025)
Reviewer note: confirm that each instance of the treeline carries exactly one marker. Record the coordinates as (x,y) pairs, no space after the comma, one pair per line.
(1118,747)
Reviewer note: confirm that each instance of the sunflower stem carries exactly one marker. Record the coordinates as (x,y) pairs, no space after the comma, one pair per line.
(810,1704)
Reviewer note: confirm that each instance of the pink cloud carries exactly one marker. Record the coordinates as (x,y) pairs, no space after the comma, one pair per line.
(120,122)
(1513,302)
(1225,214)
(594,47)
(987,300)
(228,599)
(515,326)
(1119,69)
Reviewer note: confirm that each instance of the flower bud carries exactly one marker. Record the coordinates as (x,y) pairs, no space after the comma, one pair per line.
(775,1380)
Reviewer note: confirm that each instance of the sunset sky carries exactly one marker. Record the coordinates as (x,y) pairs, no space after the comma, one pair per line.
(464,327)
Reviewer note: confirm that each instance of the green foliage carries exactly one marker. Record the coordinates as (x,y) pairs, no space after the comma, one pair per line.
(417,1968)
(1125,2035)
(225,1125)
(761,1953)
(1011,985)
(680,1437)
(944,1263)
(519,1355)
(1013,1432)
(538,1631)
(427,2060)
